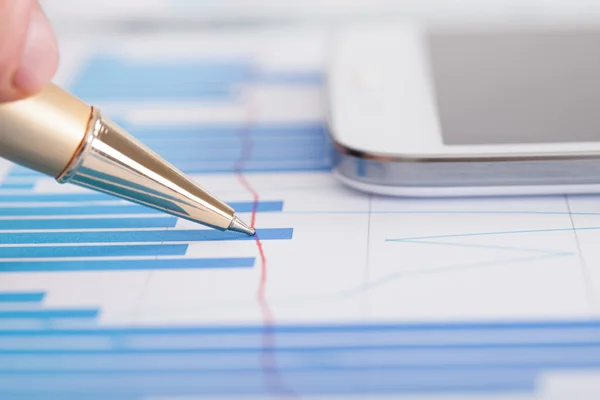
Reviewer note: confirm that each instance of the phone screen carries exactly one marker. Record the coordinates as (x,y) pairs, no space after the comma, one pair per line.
(528,86)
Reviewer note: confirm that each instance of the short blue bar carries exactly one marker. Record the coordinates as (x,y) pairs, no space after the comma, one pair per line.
(126,265)
(93,251)
(236,144)
(48,314)
(114,78)
(17,170)
(17,185)
(110,69)
(198,91)
(53,197)
(259,169)
(21,297)
(70,395)
(192,235)
(227,131)
(123,208)
(22,172)
(87,223)
(254,166)
(232,155)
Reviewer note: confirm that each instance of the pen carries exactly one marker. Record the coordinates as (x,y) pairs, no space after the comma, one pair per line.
(57,134)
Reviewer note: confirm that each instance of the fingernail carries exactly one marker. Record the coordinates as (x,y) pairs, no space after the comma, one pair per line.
(40,56)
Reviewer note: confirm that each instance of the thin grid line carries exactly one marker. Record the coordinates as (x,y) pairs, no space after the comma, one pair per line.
(367,256)
(587,278)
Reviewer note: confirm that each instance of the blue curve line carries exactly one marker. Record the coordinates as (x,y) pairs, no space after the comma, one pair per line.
(392,277)
(410,239)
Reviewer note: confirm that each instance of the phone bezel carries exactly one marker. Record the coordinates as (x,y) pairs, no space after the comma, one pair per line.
(381,103)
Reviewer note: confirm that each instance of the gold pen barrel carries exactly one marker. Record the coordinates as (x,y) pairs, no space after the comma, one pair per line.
(43,132)
(61,136)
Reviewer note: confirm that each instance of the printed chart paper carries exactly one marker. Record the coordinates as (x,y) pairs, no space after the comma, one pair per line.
(345,294)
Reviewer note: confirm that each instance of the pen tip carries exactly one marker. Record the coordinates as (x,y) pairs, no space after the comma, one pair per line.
(237,225)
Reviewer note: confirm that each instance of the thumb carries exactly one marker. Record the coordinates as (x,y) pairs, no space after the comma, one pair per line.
(28,49)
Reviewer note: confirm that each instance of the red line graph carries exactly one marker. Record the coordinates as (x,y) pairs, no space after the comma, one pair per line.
(269,363)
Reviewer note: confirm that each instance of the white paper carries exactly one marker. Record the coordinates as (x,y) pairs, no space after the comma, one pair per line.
(433,272)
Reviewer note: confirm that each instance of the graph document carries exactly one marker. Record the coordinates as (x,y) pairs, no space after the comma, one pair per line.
(341,295)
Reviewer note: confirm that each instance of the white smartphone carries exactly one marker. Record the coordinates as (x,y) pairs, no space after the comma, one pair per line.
(498,109)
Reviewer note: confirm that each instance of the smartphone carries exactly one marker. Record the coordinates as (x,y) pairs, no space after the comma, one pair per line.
(454,110)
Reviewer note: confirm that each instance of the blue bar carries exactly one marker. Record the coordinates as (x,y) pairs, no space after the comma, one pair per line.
(216,170)
(17,170)
(270,163)
(87,223)
(226,131)
(21,297)
(17,185)
(48,314)
(579,325)
(195,342)
(53,197)
(244,362)
(440,372)
(315,154)
(183,351)
(180,235)
(255,166)
(201,143)
(93,251)
(18,173)
(69,395)
(177,91)
(235,360)
(123,208)
(277,154)
(180,383)
(114,78)
(110,69)
(323,369)
(126,265)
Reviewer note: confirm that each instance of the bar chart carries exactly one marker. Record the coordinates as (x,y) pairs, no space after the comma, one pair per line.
(344,294)
(48,348)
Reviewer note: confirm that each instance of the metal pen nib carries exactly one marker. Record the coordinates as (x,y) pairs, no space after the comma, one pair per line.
(112,161)
(238,226)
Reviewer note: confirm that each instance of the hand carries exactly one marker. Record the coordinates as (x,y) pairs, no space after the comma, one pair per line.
(28,49)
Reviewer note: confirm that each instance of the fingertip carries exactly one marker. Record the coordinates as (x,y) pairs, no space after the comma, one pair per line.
(39,58)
